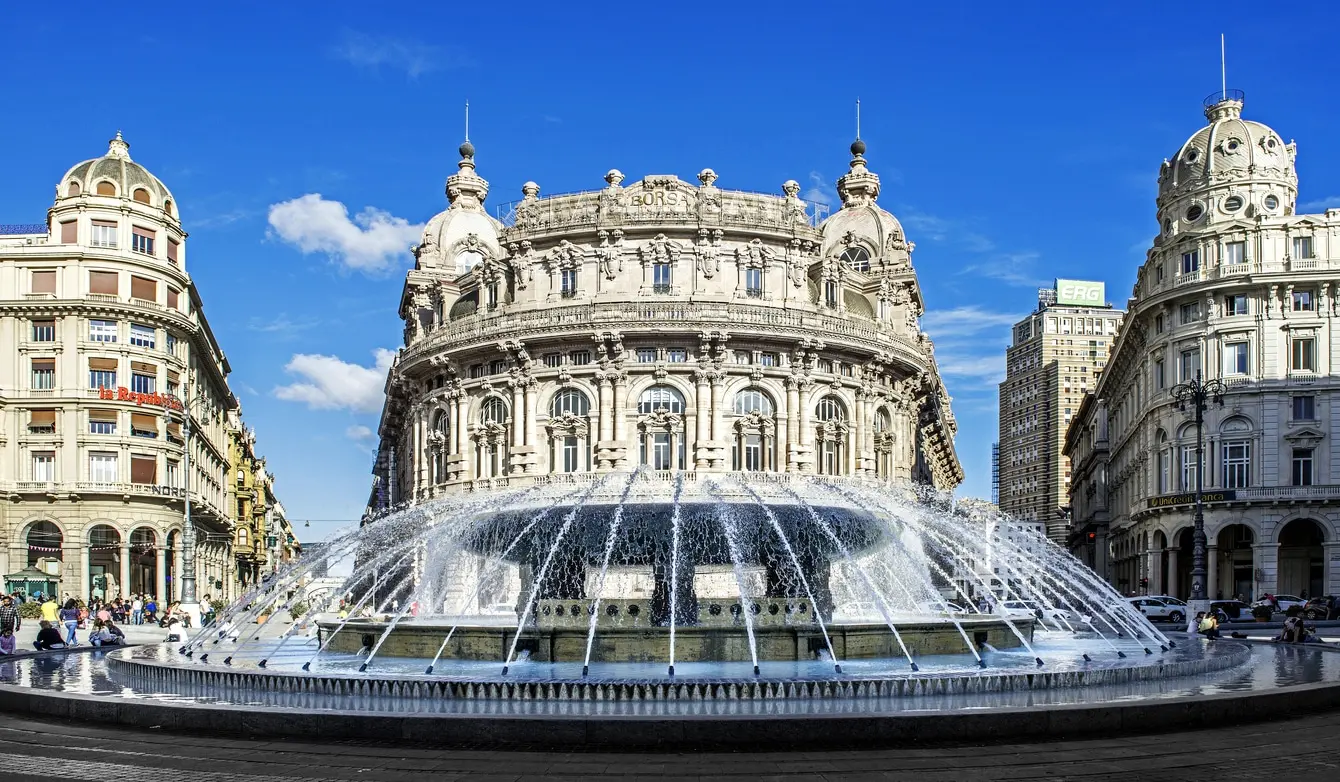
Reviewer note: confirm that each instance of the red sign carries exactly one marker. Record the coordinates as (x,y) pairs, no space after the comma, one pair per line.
(123,394)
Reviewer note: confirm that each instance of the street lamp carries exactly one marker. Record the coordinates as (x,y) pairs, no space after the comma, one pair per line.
(1199,395)
(189,602)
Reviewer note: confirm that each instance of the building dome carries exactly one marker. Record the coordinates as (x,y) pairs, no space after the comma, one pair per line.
(115,174)
(1228,154)
(861,222)
(464,234)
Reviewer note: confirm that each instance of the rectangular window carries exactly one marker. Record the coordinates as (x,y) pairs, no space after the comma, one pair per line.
(569,283)
(44,374)
(476,370)
(660,451)
(753,283)
(142,240)
(104,283)
(102,330)
(1305,408)
(1304,355)
(1303,301)
(1188,468)
(1302,247)
(1235,305)
(42,422)
(102,422)
(497,367)
(143,384)
(173,474)
(831,298)
(1191,262)
(142,336)
(492,296)
(102,468)
(44,282)
(1235,358)
(1190,312)
(143,425)
(171,344)
(44,331)
(660,278)
(143,469)
(571,455)
(579,357)
(104,234)
(676,355)
(69,232)
(646,355)
(173,244)
(553,359)
(1189,367)
(767,359)
(144,288)
(1237,465)
(172,294)
(1158,323)
(1235,253)
(1302,467)
(825,365)
(101,373)
(44,466)
(743,357)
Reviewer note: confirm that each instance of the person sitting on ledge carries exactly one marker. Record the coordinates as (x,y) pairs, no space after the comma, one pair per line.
(48,638)
(7,641)
(107,634)
(1209,626)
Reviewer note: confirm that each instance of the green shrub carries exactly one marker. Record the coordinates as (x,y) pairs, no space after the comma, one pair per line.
(30,610)
(297,610)
(217,606)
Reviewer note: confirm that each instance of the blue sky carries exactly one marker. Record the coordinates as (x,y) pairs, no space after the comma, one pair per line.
(306,142)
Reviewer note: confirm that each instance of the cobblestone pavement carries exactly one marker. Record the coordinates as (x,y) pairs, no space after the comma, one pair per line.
(32,749)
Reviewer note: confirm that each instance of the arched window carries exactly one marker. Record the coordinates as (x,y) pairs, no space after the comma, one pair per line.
(167,206)
(754,447)
(660,398)
(753,400)
(493,411)
(857,258)
(884,441)
(242,534)
(1164,465)
(440,445)
(141,195)
(570,401)
(491,439)
(106,189)
(831,436)
(73,189)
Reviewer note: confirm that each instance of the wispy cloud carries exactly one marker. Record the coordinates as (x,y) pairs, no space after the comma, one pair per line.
(369,243)
(1319,205)
(281,324)
(989,369)
(970,344)
(821,191)
(1010,268)
(330,383)
(967,321)
(221,219)
(958,233)
(552,120)
(359,433)
(404,54)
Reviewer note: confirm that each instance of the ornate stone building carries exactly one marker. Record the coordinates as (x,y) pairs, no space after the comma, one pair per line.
(107,356)
(1239,288)
(666,324)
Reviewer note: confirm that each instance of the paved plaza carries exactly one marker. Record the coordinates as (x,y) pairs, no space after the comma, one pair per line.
(32,749)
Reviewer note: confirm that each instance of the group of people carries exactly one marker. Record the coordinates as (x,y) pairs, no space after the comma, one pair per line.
(61,621)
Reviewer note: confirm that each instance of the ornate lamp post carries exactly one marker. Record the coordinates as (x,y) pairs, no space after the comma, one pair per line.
(1199,395)
(190,603)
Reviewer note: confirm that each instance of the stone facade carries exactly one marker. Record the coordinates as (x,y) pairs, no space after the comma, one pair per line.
(661,323)
(108,352)
(1055,358)
(1237,287)
(263,538)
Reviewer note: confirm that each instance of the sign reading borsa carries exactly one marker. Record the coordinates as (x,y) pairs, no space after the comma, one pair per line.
(1080,292)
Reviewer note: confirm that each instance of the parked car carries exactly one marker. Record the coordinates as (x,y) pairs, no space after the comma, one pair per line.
(948,608)
(1170,600)
(1159,610)
(1284,602)
(1325,607)
(1058,617)
(1232,610)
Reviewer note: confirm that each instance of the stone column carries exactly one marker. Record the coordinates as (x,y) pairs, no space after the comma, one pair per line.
(125,566)
(702,401)
(1265,558)
(858,436)
(1172,573)
(806,429)
(518,416)
(621,422)
(1156,571)
(792,424)
(531,460)
(718,461)
(1212,573)
(160,574)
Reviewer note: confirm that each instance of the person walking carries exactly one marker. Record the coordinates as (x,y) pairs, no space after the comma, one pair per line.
(69,616)
(9,615)
(137,611)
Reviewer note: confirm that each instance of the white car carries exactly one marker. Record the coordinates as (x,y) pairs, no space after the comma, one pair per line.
(1058,617)
(948,608)
(1285,602)
(1159,610)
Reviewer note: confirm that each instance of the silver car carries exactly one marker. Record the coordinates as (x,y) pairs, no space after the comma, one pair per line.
(1159,610)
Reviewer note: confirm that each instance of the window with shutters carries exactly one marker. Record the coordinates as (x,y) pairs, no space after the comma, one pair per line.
(144,425)
(44,374)
(172,297)
(102,468)
(142,336)
(102,330)
(44,331)
(143,382)
(104,234)
(104,283)
(101,373)
(143,469)
(42,422)
(102,422)
(69,232)
(142,240)
(172,246)
(44,281)
(144,288)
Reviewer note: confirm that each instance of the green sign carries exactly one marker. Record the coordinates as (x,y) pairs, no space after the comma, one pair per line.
(1169,500)
(1081,293)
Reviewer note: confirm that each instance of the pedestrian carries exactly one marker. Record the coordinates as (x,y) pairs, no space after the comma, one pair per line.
(69,616)
(48,638)
(9,615)
(150,610)
(51,610)
(8,642)
(136,610)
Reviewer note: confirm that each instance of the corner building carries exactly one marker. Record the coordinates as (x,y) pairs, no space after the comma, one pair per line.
(662,324)
(1237,287)
(1056,356)
(107,353)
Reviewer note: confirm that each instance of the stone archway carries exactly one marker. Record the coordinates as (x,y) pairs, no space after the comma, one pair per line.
(144,562)
(1235,563)
(1301,558)
(107,578)
(1180,555)
(44,541)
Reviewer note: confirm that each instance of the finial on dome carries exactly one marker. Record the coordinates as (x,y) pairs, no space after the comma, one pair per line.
(857,147)
(118,147)
(466,149)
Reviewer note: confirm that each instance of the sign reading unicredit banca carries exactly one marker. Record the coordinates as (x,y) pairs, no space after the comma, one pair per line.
(1079,292)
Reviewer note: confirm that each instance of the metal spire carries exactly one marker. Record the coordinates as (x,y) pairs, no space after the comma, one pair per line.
(858,118)
(467,120)
(1223,70)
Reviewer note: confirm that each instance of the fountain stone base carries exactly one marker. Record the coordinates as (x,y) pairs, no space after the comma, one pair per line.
(776,642)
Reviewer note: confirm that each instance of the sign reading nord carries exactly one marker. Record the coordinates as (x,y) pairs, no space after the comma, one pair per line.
(1169,500)
(1079,292)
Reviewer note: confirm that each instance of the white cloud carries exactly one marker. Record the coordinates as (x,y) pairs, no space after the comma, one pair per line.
(412,57)
(369,243)
(1010,268)
(821,191)
(989,368)
(1318,206)
(281,324)
(928,227)
(359,432)
(329,383)
(966,321)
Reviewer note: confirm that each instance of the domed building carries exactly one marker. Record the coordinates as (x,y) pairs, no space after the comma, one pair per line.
(662,324)
(115,402)
(1237,288)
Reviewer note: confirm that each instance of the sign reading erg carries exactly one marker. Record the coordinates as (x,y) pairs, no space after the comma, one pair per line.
(1079,292)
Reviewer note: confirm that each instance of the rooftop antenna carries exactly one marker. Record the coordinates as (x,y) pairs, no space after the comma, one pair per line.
(1223,70)
(858,118)
(467,120)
